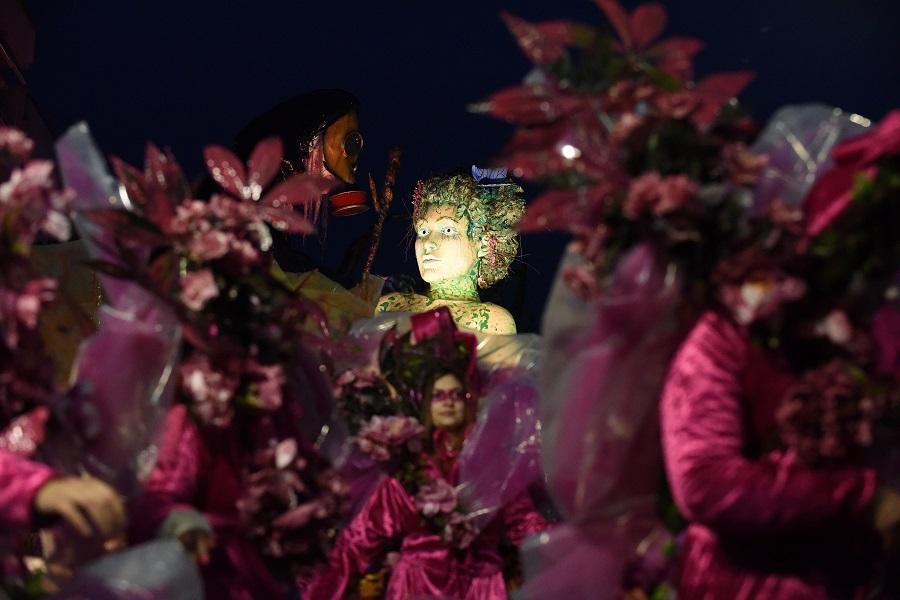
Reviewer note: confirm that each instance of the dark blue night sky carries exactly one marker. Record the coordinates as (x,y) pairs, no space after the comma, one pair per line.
(186,73)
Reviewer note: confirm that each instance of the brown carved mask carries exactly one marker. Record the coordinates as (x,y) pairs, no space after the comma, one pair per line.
(342,144)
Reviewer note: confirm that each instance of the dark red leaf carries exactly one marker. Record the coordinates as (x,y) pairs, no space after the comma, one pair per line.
(569,209)
(618,18)
(716,90)
(298,189)
(542,43)
(132,179)
(264,163)
(647,22)
(162,171)
(227,170)
(534,104)
(164,273)
(675,57)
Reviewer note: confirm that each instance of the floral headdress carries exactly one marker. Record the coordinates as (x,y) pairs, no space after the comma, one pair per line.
(434,347)
(493,205)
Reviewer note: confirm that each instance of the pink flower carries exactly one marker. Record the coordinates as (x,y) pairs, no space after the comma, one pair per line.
(643,192)
(436,497)
(742,165)
(21,308)
(209,245)
(674,194)
(650,193)
(760,297)
(885,333)
(835,327)
(15,143)
(582,280)
(677,105)
(268,383)
(285,453)
(198,288)
(627,124)
(459,531)
(210,392)
(826,416)
(381,436)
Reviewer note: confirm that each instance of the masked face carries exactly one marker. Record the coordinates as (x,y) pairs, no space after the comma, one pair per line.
(448,404)
(342,144)
(443,247)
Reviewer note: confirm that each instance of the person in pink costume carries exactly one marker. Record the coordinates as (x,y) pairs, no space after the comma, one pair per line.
(762,523)
(428,566)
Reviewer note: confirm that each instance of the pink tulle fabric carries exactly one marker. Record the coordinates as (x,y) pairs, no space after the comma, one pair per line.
(20,479)
(200,470)
(761,524)
(427,567)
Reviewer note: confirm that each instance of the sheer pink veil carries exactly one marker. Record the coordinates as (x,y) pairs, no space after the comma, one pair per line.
(604,363)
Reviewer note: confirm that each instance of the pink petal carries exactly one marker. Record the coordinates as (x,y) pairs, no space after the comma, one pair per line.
(285,452)
(132,179)
(561,209)
(265,162)
(286,219)
(534,104)
(647,22)
(297,517)
(618,18)
(227,170)
(298,189)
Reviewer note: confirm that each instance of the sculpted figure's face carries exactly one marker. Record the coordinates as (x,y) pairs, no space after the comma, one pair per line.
(443,247)
(448,404)
(342,144)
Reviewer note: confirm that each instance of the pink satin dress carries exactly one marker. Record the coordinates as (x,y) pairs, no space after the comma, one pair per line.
(427,567)
(20,480)
(200,470)
(762,526)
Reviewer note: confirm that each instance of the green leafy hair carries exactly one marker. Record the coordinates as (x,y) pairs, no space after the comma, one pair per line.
(493,210)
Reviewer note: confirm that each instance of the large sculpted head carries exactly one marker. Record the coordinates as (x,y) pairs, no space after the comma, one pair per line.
(466,227)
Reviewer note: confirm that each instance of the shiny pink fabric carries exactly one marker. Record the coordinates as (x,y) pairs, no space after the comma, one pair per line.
(20,479)
(201,470)
(427,567)
(761,525)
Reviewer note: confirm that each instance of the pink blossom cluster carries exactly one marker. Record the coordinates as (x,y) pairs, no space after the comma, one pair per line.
(15,144)
(223,228)
(286,499)
(436,497)
(213,389)
(382,437)
(459,531)
(827,415)
(31,203)
(653,194)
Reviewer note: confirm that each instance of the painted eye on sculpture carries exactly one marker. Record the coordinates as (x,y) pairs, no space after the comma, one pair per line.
(449,230)
(422,232)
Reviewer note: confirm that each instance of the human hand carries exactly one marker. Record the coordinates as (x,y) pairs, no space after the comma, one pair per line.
(198,543)
(886,513)
(90,506)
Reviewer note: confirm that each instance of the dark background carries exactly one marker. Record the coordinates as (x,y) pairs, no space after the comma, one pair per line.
(187,73)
